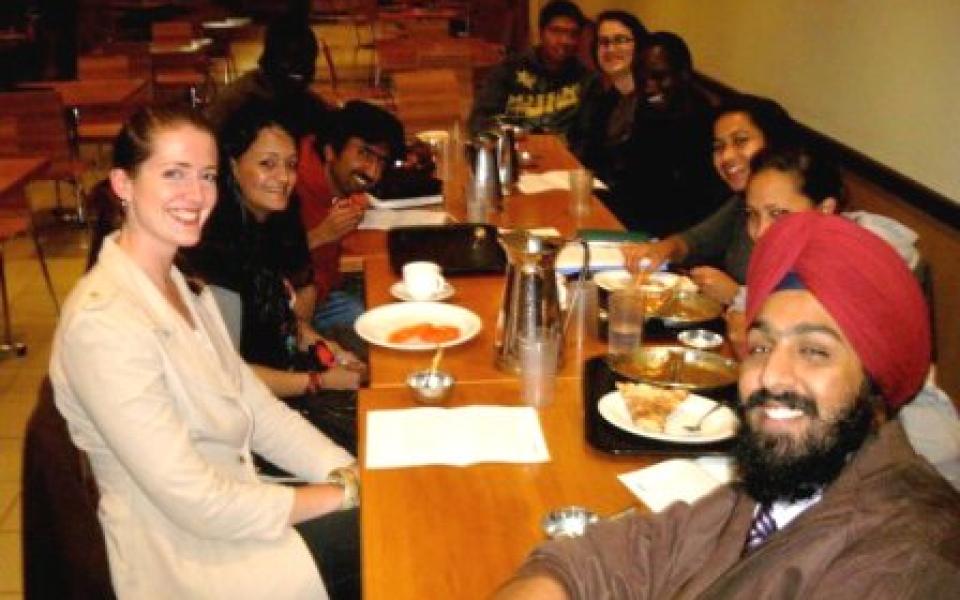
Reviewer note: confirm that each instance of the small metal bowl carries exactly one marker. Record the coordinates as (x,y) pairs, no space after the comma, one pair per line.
(570,521)
(702,339)
(430,387)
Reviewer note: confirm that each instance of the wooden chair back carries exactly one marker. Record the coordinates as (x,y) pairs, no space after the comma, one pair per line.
(104,66)
(428,99)
(42,124)
(171,32)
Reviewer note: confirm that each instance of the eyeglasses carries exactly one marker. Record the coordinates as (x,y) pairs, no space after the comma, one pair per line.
(615,41)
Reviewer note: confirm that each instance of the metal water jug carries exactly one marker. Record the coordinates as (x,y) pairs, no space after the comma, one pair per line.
(531,296)
(486,190)
(507,158)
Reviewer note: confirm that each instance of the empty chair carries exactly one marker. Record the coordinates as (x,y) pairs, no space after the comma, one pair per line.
(64,551)
(104,66)
(428,99)
(172,32)
(45,129)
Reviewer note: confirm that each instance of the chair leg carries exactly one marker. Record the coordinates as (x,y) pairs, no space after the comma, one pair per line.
(8,345)
(43,267)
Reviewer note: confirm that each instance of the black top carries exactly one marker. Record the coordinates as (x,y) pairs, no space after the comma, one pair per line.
(263,263)
(670,183)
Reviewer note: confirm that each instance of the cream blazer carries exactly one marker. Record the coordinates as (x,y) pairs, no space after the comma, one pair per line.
(168,416)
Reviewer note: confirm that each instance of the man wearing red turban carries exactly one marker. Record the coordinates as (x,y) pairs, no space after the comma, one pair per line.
(833,500)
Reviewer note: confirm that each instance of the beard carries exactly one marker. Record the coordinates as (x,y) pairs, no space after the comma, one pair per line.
(788,468)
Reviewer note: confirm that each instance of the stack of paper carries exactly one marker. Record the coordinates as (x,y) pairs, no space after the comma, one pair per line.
(454,436)
(534,183)
(678,480)
(604,256)
(385,218)
(405,202)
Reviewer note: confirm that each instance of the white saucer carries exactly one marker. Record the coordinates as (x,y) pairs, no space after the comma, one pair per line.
(399,291)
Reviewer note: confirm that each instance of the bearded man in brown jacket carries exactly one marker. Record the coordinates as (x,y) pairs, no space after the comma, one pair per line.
(833,502)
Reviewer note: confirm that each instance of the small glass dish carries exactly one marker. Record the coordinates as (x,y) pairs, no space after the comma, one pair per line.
(570,521)
(430,387)
(701,339)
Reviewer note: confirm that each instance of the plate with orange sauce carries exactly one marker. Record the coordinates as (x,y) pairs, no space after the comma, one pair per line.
(418,325)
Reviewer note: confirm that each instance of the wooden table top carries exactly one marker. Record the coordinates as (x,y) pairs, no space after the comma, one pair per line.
(16,171)
(459,532)
(86,93)
(473,360)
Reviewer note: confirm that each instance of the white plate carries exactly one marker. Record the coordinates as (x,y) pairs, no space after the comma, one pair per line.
(399,291)
(376,325)
(718,426)
(619,279)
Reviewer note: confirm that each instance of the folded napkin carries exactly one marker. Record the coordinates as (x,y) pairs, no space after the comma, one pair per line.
(386,218)
(534,183)
(678,480)
(413,202)
(454,436)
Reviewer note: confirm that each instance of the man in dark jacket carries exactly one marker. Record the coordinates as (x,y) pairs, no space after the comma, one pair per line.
(542,88)
(833,502)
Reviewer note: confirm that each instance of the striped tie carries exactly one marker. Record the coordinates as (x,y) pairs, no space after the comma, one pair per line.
(762,527)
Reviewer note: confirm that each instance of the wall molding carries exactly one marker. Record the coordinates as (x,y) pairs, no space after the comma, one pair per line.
(912,192)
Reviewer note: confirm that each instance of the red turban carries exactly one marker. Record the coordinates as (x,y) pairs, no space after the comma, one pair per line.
(864,285)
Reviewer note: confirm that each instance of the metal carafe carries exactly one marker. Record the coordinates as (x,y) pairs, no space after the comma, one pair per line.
(486,189)
(507,158)
(531,297)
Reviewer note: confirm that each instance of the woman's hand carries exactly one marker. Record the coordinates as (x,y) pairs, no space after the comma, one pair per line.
(650,256)
(342,377)
(715,284)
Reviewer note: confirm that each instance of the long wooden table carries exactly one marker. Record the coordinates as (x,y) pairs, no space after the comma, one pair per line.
(458,532)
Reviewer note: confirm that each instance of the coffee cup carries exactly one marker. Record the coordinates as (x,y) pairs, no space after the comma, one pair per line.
(422,280)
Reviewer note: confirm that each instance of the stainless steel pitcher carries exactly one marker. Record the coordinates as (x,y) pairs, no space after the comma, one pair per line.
(531,297)
(482,152)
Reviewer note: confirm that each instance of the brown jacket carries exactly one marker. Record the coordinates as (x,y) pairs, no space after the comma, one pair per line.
(888,527)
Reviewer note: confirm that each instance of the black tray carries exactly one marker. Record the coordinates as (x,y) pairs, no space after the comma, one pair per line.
(598,380)
(459,249)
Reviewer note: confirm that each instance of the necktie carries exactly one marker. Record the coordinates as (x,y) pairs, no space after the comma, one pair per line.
(762,527)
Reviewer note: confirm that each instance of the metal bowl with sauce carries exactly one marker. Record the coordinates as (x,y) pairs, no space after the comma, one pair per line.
(676,367)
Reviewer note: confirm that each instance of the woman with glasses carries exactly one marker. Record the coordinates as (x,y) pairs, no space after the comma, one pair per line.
(605,124)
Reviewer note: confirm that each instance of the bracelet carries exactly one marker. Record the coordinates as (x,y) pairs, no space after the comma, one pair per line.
(347,479)
(314,382)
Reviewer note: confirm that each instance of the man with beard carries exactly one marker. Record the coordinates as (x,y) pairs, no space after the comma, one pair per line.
(332,175)
(542,88)
(833,500)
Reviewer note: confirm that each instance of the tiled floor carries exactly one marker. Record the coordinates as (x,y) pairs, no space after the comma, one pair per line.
(34,319)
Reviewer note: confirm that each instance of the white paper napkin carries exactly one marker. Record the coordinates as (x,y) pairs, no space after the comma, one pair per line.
(413,202)
(454,436)
(534,183)
(385,218)
(677,480)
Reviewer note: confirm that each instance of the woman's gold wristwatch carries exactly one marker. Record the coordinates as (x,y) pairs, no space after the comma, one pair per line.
(347,479)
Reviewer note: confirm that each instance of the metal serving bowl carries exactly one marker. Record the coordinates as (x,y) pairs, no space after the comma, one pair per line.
(570,521)
(430,387)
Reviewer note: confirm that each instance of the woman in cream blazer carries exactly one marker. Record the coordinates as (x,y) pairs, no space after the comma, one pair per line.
(146,376)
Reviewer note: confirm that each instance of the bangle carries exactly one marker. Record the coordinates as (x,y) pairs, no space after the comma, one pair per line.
(314,382)
(347,479)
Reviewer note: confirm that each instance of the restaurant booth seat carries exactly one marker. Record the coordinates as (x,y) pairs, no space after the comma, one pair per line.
(64,551)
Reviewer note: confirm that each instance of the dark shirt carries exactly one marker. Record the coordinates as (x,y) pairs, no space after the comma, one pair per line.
(603,130)
(670,181)
(523,91)
(306,112)
(263,263)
